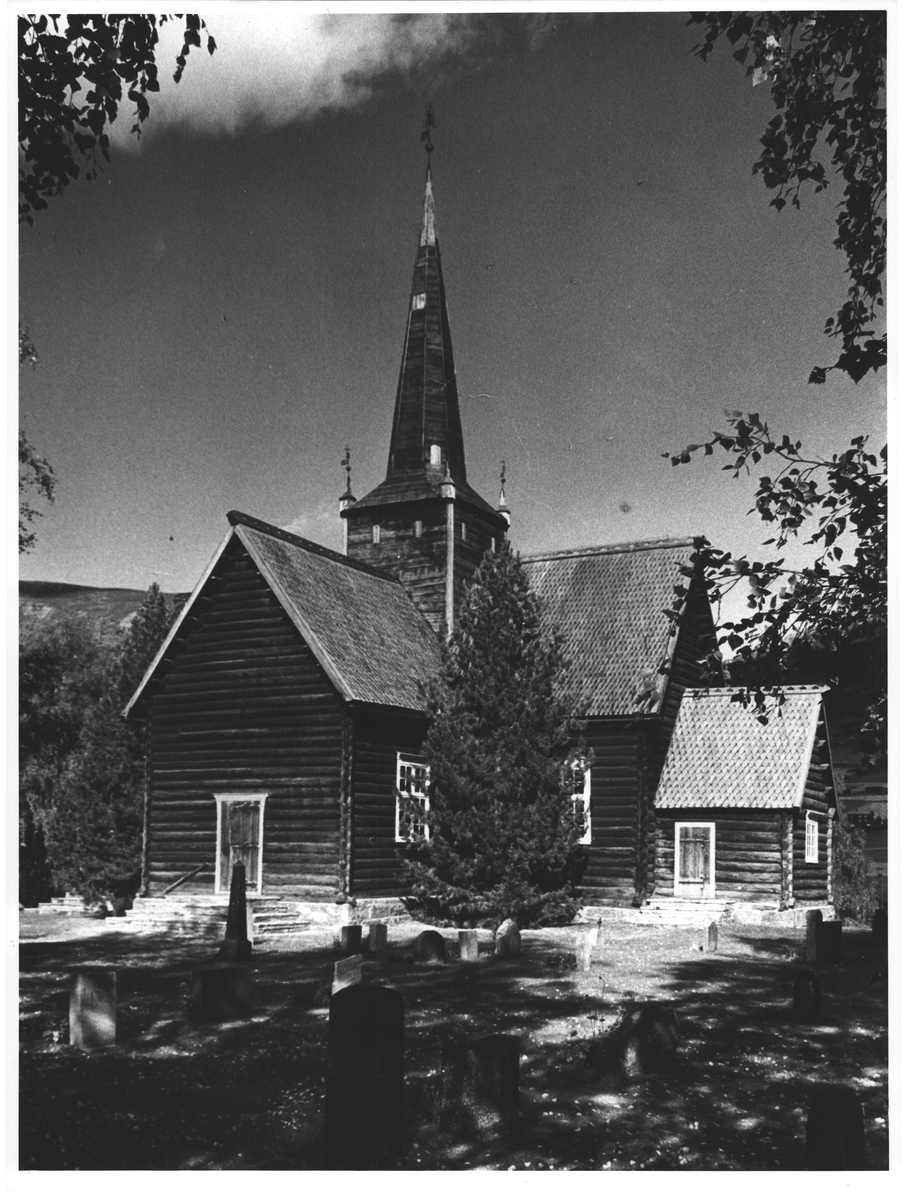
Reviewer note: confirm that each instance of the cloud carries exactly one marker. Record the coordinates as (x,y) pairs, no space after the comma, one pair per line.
(278,63)
(320,524)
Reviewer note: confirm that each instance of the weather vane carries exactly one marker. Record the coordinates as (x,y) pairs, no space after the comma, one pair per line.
(346,462)
(426,132)
(502,474)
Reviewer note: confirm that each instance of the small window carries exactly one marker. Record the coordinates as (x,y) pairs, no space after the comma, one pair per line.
(493,545)
(376,534)
(412,804)
(811,839)
(418,529)
(580,778)
(462,531)
(434,455)
(418,301)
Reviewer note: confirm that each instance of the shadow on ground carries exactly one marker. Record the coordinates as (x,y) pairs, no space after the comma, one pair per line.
(175,1095)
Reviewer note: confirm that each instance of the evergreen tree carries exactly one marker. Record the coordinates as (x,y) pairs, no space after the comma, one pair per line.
(502,828)
(91,807)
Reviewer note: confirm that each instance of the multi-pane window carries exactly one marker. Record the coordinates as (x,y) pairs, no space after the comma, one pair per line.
(419,529)
(580,780)
(375,534)
(811,839)
(418,301)
(412,804)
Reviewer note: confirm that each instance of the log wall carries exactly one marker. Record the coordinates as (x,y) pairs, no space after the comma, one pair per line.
(379,735)
(747,851)
(244,707)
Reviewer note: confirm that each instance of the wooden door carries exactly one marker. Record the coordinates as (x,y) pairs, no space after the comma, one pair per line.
(694,861)
(240,842)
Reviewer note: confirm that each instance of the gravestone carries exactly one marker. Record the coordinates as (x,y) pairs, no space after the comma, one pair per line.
(834,1131)
(646,1038)
(119,905)
(586,940)
(236,947)
(221,992)
(713,937)
(346,972)
(377,938)
(599,940)
(468,945)
(813,922)
(350,939)
(363,1106)
(92,1007)
(507,940)
(806,996)
(879,927)
(479,1082)
(430,947)
(830,942)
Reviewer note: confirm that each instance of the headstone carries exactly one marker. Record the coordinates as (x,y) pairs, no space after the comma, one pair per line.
(807,996)
(363,1107)
(813,921)
(221,993)
(430,947)
(713,938)
(346,972)
(585,943)
(468,945)
(834,1131)
(350,939)
(236,947)
(480,1082)
(377,938)
(830,941)
(879,927)
(507,940)
(92,1007)
(599,942)
(647,1038)
(120,906)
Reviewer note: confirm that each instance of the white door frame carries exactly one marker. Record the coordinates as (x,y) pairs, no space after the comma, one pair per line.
(708,890)
(222,799)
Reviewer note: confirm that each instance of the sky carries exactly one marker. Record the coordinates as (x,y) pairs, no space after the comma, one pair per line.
(222,312)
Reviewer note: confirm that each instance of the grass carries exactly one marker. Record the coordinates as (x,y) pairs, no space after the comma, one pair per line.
(174,1095)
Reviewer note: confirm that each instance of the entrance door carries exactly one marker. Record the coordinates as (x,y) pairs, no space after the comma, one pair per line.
(694,870)
(239,831)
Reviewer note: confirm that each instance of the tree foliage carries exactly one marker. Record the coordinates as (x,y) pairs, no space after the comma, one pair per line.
(855,889)
(826,72)
(835,504)
(36,479)
(502,826)
(81,763)
(72,79)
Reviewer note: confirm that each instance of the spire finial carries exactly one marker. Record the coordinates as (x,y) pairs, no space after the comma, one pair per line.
(346,461)
(426,133)
(502,506)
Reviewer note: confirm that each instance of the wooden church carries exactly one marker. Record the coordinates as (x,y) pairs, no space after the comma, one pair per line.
(286,706)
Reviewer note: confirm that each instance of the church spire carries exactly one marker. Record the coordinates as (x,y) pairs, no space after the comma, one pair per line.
(427,430)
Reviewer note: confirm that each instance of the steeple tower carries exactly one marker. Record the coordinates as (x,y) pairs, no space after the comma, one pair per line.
(424,522)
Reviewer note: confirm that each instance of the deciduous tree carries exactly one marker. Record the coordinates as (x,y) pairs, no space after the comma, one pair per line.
(502,828)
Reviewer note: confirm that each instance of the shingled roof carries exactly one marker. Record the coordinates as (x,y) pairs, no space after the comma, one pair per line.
(360,624)
(721,756)
(608,602)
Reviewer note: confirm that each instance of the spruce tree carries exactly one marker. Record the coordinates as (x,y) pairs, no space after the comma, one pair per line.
(502,829)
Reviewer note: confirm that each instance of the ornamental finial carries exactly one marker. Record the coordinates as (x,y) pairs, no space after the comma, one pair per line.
(346,461)
(426,132)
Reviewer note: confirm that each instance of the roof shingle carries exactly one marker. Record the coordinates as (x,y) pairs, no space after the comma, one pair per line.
(721,756)
(608,603)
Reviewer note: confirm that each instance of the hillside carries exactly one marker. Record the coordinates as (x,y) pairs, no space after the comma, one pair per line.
(108,609)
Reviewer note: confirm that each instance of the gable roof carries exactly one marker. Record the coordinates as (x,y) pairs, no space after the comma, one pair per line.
(367,635)
(721,756)
(608,602)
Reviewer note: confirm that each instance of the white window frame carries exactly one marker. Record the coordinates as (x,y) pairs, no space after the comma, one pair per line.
(414,762)
(376,535)
(811,838)
(222,798)
(418,301)
(581,798)
(434,455)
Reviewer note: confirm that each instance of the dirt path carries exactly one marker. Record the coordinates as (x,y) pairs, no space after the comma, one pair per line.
(173,1095)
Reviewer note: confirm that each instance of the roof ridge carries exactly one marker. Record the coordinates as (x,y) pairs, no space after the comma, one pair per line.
(240,518)
(788,688)
(614,548)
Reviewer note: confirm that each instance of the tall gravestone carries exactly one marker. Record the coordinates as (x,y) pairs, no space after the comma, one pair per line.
(92,1007)
(508,940)
(835,1130)
(350,939)
(813,922)
(236,947)
(377,938)
(713,938)
(586,941)
(468,945)
(364,1102)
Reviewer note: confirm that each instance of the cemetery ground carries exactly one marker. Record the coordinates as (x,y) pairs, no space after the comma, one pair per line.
(248,1095)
